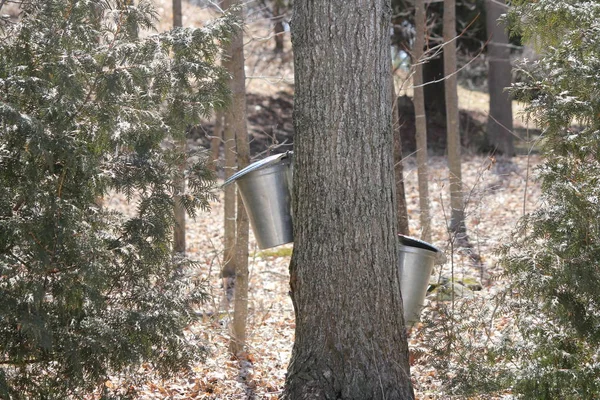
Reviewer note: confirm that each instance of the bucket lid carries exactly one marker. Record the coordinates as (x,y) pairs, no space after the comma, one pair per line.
(414,242)
(265,162)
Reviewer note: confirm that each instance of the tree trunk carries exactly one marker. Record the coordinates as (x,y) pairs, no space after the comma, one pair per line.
(398,166)
(215,141)
(179,210)
(350,341)
(434,91)
(457,217)
(236,117)
(177,14)
(179,231)
(229,221)
(421,121)
(278,29)
(500,119)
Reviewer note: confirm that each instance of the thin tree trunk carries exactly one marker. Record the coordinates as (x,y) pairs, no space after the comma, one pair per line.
(179,231)
(421,121)
(350,341)
(278,29)
(229,222)
(457,217)
(179,210)
(236,115)
(398,166)
(500,120)
(215,142)
(434,91)
(177,14)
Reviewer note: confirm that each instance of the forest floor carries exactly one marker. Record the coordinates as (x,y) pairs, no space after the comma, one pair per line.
(498,194)
(498,191)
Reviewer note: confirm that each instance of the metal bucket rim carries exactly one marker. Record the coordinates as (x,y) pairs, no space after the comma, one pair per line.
(413,242)
(267,170)
(416,250)
(258,165)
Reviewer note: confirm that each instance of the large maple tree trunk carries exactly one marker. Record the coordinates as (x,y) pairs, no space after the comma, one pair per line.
(350,341)
(500,120)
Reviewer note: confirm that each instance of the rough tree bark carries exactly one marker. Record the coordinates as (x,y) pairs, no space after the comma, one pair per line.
(179,231)
(236,120)
(350,341)
(421,121)
(457,217)
(500,119)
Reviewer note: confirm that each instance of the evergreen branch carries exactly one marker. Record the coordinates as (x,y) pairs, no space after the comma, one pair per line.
(39,243)
(13,255)
(52,70)
(19,204)
(24,362)
(61,182)
(94,86)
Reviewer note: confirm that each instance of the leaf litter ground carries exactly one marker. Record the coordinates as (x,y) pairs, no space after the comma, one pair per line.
(497,192)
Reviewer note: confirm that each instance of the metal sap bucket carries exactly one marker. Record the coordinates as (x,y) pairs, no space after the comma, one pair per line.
(265,187)
(415,263)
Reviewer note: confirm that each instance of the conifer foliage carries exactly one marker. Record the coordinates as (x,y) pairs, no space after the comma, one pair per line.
(554,260)
(88,107)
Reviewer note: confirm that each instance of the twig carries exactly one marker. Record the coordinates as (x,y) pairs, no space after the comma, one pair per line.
(216,5)
(277,274)
(455,72)
(20,362)
(439,47)
(512,132)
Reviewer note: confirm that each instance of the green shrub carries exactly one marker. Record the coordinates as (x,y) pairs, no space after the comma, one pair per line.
(554,259)
(87,107)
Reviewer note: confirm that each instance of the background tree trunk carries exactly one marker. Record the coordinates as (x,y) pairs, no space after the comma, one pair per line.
(229,221)
(350,341)
(421,121)
(179,211)
(457,217)
(177,13)
(236,117)
(434,93)
(215,141)
(279,28)
(398,166)
(500,119)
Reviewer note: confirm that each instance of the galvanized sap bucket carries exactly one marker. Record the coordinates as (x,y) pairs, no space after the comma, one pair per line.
(265,189)
(415,263)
